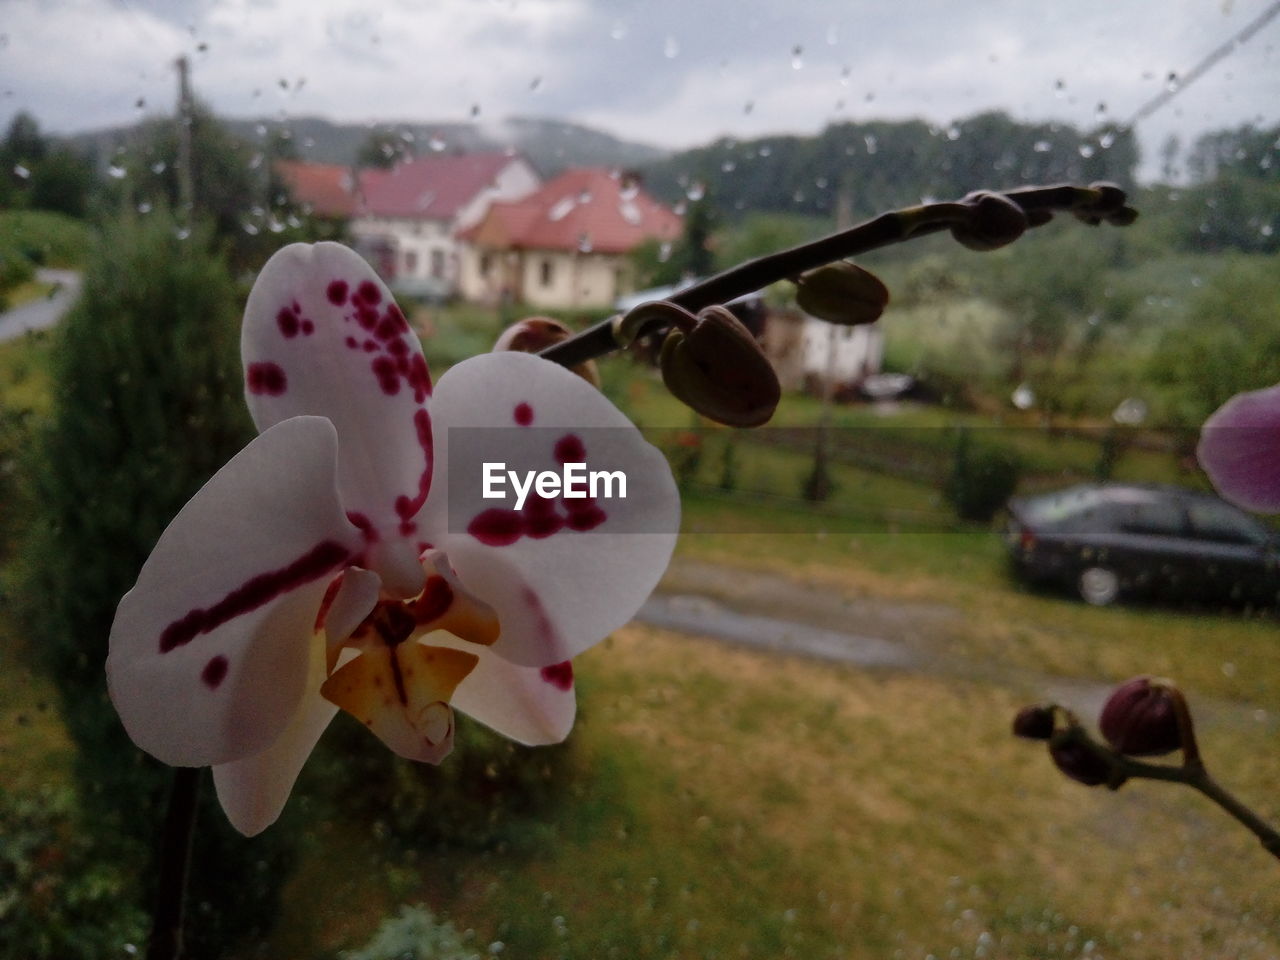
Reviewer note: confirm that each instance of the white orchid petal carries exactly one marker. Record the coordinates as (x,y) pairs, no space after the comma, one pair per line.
(209,651)
(560,575)
(323,336)
(530,705)
(253,791)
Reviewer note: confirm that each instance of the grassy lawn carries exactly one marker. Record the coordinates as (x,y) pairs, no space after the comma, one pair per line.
(26,293)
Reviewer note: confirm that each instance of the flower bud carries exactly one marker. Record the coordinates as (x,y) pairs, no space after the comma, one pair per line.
(719,370)
(1034,723)
(993,222)
(534,334)
(1140,719)
(1080,763)
(843,293)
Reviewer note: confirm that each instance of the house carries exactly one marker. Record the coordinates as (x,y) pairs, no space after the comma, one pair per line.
(567,245)
(409,216)
(404,220)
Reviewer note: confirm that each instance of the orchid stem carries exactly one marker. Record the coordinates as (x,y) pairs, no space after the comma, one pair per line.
(175,862)
(884,230)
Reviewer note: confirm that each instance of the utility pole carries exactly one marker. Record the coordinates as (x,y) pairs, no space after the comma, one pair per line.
(186,187)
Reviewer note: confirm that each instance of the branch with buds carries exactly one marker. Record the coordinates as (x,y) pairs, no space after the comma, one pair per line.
(1144,717)
(710,361)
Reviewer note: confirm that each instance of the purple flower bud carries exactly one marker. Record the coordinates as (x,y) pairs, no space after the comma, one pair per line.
(1034,723)
(1081,764)
(1140,719)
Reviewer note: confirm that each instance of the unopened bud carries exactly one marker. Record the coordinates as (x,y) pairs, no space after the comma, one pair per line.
(994,221)
(1140,719)
(719,370)
(843,293)
(535,334)
(1034,723)
(1080,763)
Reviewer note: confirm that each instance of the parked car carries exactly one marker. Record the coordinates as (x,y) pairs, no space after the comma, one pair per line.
(1110,540)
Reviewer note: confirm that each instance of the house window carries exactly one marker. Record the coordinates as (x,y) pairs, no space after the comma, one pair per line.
(547,272)
(410,261)
(486,264)
(437,264)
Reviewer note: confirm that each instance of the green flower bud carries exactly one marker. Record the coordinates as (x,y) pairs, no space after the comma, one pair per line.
(719,370)
(843,293)
(994,222)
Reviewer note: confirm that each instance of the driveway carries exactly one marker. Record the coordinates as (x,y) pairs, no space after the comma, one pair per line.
(47,311)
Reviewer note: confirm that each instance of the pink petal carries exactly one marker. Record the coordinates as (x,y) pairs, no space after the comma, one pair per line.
(1240,450)
(209,650)
(561,575)
(323,336)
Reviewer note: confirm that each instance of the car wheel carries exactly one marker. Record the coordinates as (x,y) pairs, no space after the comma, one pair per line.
(1098,586)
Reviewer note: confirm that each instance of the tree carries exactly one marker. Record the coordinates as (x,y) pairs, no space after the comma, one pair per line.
(382,150)
(146,407)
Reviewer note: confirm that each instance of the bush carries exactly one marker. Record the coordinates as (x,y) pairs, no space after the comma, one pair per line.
(414,935)
(982,479)
(147,405)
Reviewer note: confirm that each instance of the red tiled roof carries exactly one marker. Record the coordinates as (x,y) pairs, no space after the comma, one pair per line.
(431,187)
(587,209)
(325,187)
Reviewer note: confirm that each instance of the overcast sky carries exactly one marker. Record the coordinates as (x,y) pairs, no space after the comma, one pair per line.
(670,72)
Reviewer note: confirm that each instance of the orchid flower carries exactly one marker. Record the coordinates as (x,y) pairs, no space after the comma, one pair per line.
(1240,450)
(321,568)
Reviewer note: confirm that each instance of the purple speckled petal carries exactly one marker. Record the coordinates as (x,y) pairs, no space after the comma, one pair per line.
(322,336)
(209,650)
(1240,450)
(560,574)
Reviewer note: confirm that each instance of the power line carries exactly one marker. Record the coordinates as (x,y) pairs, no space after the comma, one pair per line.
(1177,84)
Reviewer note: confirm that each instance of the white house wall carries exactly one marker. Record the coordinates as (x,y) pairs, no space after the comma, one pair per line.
(859,350)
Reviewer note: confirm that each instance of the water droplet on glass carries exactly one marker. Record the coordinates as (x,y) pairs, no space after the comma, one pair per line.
(436,144)
(1171,82)
(274,225)
(798,197)
(140,103)
(1024,397)
(728,166)
(1042,146)
(680,208)
(1266,229)
(250,228)
(584,243)
(820,183)
(255,161)
(765,150)
(116,172)
(797,57)
(832,36)
(159,167)
(1106,140)
(671,48)
(664,253)
(748,106)
(1059,88)
(497,947)
(697,190)
(182,233)
(1228,669)
(20,171)
(953,132)
(618,31)
(144,207)
(534,84)
(1130,412)
(845,73)
(870,141)
(1100,110)
(475,110)
(1086,150)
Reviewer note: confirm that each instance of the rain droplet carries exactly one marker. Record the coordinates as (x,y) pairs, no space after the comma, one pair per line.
(1266,229)
(870,141)
(534,84)
(584,243)
(671,48)
(250,228)
(765,150)
(140,103)
(475,110)
(697,190)
(182,233)
(680,208)
(1086,150)
(845,73)
(1100,110)
(797,57)
(20,171)
(1059,88)
(436,144)
(1130,412)
(1228,669)
(664,253)
(728,166)
(1042,146)
(1106,140)
(1024,397)
(116,172)
(798,197)
(144,207)
(255,161)
(953,132)
(159,167)
(748,106)
(832,37)
(1172,83)
(820,183)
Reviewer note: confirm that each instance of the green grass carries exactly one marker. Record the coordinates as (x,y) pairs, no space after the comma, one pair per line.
(49,239)
(26,293)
